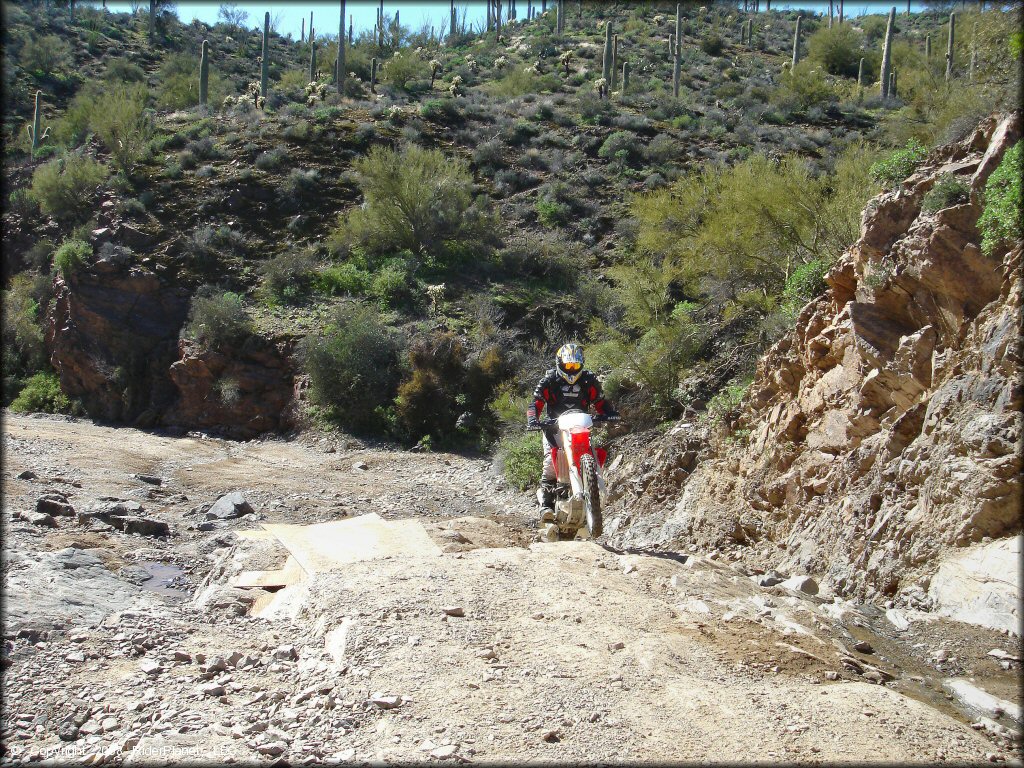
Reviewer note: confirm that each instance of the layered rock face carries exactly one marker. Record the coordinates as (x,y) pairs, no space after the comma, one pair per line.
(113,336)
(883,434)
(112,332)
(241,394)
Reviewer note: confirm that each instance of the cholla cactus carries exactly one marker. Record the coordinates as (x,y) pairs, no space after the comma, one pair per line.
(659,19)
(471,62)
(601,86)
(395,114)
(533,69)
(435,67)
(254,91)
(455,87)
(436,295)
(315,91)
(565,59)
(500,62)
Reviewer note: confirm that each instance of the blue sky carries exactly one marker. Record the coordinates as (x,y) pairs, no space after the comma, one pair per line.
(413,14)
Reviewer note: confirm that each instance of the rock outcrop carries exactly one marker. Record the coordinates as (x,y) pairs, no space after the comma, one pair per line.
(240,392)
(883,434)
(112,332)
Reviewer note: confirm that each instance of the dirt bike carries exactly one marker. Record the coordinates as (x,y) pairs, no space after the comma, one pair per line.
(579,484)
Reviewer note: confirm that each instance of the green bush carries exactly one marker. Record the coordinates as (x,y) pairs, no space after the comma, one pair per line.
(806,282)
(442,111)
(428,401)
(900,164)
(712,45)
(217,319)
(416,199)
(178,86)
(838,49)
(44,55)
(23,349)
(392,285)
(289,276)
(803,89)
(70,256)
(346,279)
(66,188)
(403,68)
(725,405)
(1002,220)
(521,458)
(621,145)
(947,192)
(353,368)
(41,393)
(120,120)
(551,213)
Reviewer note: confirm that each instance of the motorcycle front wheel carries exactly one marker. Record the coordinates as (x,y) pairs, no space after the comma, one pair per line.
(591,496)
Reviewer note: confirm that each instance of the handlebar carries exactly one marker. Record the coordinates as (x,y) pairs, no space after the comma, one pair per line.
(552,423)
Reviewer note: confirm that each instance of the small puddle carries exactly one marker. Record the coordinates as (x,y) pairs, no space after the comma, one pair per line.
(165,579)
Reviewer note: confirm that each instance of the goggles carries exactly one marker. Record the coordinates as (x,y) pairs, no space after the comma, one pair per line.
(572,366)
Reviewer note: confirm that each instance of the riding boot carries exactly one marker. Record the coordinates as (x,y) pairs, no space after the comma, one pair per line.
(546,497)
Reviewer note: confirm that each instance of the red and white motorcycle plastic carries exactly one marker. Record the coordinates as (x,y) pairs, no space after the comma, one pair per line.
(579,484)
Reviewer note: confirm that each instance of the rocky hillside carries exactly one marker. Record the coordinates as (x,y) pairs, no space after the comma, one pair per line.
(138,201)
(882,436)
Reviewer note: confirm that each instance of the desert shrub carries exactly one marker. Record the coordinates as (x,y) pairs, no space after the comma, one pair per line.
(838,49)
(217,319)
(552,213)
(712,45)
(415,199)
(120,120)
(427,401)
(44,55)
(206,247)
(66,188)
(806,282)
(521,458)
(899,164)
(299,185)
(346,279)
(41,393)
(442,111)
(124,71)
(725,405)
(948,191)
(71,256)
(804,88)
(392,285)
(520,82)
(289,276)
(1002,220)
(353,367)
(661,149)
(402,69)
(488,155)
(620,145)
(23,350)
(271,159)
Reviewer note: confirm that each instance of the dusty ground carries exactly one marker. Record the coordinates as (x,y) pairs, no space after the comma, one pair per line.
(564,652)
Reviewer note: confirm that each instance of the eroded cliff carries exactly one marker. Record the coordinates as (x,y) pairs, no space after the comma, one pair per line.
(882,434)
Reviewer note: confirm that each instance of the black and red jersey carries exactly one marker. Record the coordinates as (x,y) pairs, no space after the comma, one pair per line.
(560,396)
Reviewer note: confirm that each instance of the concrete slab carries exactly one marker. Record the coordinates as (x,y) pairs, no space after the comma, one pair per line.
(290,573)
(330,546)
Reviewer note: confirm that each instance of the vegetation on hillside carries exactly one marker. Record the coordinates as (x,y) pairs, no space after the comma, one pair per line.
(470,202)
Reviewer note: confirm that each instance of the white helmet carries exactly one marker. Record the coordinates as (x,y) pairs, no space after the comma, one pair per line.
(569,362)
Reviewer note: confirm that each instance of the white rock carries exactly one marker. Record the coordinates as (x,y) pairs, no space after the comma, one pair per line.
(898,619)
(804,584)
(446,752)
(150,666)
(981,586)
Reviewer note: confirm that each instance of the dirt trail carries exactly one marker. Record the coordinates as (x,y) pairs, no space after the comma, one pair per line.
(494,649)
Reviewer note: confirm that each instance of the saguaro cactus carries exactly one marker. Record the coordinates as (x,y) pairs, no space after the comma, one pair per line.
(743,33)
(887,54)
(949,46)
(312,61)
(796,42)
(750,33)
(265,63)
(152,19)
(340,76)
(840,12)
(892,84)
(928,46)
(302,34)
(625,77)
(351,30)
(615,61)
(451,19)
(671,45)
(373,75)
(676,51)
(974,53)
(560,17)
(204,73)
(33,130)
(606,63)
(860,73)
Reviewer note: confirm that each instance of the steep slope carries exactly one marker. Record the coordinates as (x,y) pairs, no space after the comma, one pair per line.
(883,434)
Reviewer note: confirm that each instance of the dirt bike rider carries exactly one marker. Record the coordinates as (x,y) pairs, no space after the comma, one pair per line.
(564,387)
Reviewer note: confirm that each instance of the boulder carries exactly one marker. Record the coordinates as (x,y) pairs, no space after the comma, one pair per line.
(55,504)
(229,506)
(981,586)
(804,584)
